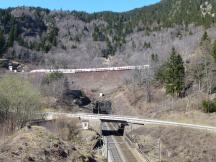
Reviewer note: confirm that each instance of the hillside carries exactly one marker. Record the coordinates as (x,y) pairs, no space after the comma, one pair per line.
(46,147)
(76,39)
(177,38)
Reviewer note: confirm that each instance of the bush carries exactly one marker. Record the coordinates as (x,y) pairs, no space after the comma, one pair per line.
(209,106)
(19,101)
(73,46)
(53,77)
(53,85)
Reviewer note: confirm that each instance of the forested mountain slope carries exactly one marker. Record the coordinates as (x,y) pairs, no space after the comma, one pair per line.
(78,39)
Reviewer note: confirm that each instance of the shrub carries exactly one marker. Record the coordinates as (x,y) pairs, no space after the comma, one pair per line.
(73,46)
(53,85)
(209,106)
(53,77)
(19,101)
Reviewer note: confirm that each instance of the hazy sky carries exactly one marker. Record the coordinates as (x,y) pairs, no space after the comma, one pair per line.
(80,5)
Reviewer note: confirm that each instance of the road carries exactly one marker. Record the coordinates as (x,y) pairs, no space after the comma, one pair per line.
(129,119)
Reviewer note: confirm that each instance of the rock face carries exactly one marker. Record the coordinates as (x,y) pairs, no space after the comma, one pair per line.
(37,145)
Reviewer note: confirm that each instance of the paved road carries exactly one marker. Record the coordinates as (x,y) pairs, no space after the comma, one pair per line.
(129,119)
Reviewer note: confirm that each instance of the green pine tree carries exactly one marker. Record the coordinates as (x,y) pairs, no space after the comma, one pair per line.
(1,40)
(175,74)
(15,31)
(154,58)
(214,51)
(205,37)
(11,37)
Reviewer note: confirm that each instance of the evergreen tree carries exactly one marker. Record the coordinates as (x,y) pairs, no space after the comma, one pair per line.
(175,74)
(205,37)
(1,41)
(154,58)
(11,37)
(214,51)
(15,31)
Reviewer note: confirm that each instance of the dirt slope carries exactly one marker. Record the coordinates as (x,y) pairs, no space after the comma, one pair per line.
(39,145)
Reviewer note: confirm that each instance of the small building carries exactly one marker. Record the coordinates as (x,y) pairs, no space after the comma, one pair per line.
(15,67)
(101,95)
(10,67)
(85,124)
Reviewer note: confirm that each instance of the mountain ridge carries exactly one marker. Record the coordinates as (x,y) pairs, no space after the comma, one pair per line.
(29,33)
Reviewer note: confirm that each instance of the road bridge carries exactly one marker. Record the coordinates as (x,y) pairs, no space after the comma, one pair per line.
(128,119)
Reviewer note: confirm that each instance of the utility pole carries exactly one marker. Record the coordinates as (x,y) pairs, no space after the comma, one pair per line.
(107,151)
(159,149)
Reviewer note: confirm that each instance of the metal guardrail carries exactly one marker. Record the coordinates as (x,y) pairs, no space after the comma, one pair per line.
(135,145)
(145,157)
(130,138)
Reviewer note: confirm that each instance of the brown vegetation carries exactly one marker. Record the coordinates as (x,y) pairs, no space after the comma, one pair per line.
(179,144)
(37,144)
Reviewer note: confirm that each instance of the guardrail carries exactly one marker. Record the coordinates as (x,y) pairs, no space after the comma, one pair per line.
(131,142)
(144,156)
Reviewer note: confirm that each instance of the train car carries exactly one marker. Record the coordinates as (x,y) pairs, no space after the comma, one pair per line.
(102,107)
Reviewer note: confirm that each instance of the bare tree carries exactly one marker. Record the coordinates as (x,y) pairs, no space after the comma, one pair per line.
(142,79)
(196,72)
(53,87)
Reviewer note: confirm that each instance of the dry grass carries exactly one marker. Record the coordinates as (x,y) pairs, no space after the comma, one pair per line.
(187,110)
(60,140)
(180,145)
(70,130)
(36,144)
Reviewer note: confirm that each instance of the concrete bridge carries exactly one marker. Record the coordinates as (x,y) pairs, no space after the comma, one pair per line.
(128,119)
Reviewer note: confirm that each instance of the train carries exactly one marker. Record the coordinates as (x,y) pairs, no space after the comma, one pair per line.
(72,71)
(102,107)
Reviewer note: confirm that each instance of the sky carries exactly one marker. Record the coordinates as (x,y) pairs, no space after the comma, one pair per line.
(81,5)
